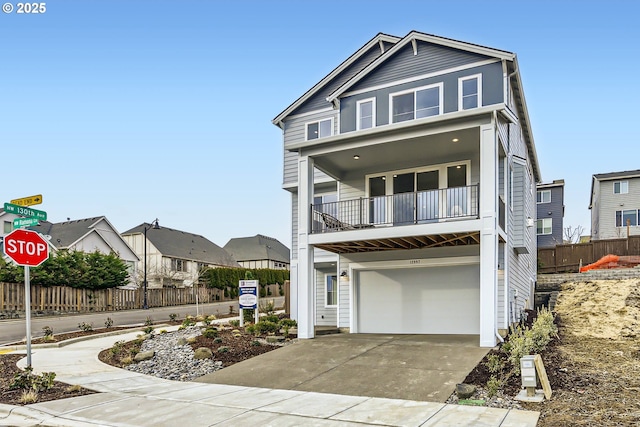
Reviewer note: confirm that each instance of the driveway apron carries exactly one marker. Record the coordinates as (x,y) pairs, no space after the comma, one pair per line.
(413,367)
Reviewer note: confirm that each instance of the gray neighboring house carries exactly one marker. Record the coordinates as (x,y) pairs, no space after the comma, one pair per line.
(259,252)
(89,235)
(412,172)
(550,210)
(614,204)
(175,258)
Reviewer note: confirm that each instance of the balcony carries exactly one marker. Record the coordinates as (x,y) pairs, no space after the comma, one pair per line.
(421,207)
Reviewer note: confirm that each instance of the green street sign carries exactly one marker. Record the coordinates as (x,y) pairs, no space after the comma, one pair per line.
(24,222)
(25,211)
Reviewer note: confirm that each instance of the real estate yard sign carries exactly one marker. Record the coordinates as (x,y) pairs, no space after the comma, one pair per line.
(248,298)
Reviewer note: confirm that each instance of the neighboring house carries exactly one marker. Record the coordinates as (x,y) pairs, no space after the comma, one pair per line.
(412,172)
(259,252)
(550,210)
(89,235)
(615,204)
(7,227)
(174,258)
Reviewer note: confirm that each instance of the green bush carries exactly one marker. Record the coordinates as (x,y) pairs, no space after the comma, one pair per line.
(148,330)
(48,331)
(108,322)
(288,323)
(265,326)
(217,340)
(271,318)
(173,317)
(223,349)
(210,333)
(86,327)
(494,363)
(525,341)
(256,343)
(188,321)
(28,380)
(148,321)
(250,329)
(248,315)
(493,385)
(235,323)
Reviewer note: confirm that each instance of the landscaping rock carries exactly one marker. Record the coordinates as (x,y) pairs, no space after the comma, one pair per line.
(182,341)
(203,353)
(144,355)
(465,391)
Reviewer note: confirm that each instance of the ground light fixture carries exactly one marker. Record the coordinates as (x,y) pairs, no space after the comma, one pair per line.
(155,226)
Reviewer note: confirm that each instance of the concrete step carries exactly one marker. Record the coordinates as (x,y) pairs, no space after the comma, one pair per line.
(326,330)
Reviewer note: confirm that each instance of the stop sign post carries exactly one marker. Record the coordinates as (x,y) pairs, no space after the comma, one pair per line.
(29,249)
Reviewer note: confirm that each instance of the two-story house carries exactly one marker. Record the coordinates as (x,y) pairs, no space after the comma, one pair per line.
(550,213)
(412,172)
(259,251)
(174,258)
(615,205)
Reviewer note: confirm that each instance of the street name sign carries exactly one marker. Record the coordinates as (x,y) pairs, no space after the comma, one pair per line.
(24,222)
(28,201)
(25,211)
(26,247)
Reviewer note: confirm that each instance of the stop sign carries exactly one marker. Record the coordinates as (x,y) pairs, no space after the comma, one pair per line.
(26,247)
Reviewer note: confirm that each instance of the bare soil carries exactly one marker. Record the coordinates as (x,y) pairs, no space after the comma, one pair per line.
(594,364)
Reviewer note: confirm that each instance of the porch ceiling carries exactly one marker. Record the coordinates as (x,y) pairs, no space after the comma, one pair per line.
(403,243)
(400,154)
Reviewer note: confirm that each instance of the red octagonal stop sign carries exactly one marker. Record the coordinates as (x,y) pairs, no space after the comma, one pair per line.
(26,247)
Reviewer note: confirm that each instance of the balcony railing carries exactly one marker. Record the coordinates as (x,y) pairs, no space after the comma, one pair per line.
(421,207)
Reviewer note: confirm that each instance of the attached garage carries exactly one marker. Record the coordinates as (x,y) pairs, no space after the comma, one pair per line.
(418,300)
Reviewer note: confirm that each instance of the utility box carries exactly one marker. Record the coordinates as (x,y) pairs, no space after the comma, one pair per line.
(528,372)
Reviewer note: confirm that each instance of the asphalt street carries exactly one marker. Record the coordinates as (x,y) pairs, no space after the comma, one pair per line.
(13,330)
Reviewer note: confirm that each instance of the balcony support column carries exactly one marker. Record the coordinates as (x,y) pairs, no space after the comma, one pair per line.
(305,275)
(488,235)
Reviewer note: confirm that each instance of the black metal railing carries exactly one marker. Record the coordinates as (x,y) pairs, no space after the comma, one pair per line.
(419,207)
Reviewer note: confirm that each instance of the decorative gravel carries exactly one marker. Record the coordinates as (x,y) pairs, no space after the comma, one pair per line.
(497,401)
(173,361)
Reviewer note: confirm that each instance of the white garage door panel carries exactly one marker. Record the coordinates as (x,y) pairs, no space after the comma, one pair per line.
(433,300)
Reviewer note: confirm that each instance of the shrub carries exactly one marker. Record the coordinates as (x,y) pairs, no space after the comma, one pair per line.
(117,348)
(256,343)
(148,330)
(48,331)
(250,329)
(108,323)
(235,323)
(217,340)
(271,318)
(248,315)
(268,308)
(493,385)
(173,317)
(73,388)
(127,360)
(210,333)
(28,397)
(162,331)
(524,341)
(188,321)
(86,327)
(289,323)
(28,380)
(494,363)
(148,321)
(223,349)
(265,327)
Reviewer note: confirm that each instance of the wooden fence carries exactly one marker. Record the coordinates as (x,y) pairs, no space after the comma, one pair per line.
(568,258)
(72,300)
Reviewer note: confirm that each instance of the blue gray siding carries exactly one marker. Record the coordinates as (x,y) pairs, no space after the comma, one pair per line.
(319,101)
(492,93)
(555,211)
(404,64)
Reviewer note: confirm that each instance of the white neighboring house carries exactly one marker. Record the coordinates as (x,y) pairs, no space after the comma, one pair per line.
(89,235)
(175,258)
(412,171)
(615,205)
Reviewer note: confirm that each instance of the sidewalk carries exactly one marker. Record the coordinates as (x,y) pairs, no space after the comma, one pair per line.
(131,399)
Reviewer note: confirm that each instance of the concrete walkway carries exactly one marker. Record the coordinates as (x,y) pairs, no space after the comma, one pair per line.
(131,399)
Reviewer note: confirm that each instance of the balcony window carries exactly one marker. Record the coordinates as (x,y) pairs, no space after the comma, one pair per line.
(319,129)
(416,104)
(366,114)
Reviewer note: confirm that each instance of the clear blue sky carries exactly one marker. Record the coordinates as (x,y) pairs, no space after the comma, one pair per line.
(162,109)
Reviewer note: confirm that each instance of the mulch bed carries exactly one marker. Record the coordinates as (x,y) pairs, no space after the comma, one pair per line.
(8,369)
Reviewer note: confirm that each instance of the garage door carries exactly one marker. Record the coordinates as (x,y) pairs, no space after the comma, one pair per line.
(432,300)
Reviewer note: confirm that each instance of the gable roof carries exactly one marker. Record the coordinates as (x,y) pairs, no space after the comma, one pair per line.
(379,39)
(258,247)
(184,245)
(65,234)
(611,176)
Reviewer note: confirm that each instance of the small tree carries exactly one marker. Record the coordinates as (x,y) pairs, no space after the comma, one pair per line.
(572,235)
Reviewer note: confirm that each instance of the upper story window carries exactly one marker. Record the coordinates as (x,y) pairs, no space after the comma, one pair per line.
(470,92)
(544,226)
(416,103)
(319,129)
(621,187)
(8,227)
(178,264)
(366,117)
(544,196)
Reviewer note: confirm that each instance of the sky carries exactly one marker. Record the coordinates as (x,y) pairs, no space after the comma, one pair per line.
(138,110)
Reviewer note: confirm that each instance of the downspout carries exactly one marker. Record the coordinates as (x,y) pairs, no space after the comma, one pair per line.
(495,125)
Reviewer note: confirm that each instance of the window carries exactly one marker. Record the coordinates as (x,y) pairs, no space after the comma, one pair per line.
(416,104)
(543,226)
(328,204)
(8,227)
(178,264)
(544,196)
(630,215)
(470,92)
(366,117)
(319,129)
(331,289)
(621,187)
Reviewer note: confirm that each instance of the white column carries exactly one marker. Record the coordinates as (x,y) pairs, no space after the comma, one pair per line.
(488,235)
(305,250)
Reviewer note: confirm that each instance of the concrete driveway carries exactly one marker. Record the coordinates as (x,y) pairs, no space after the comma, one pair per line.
(414,367)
